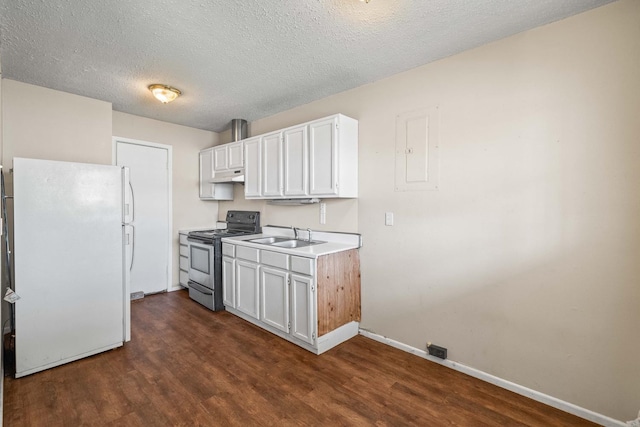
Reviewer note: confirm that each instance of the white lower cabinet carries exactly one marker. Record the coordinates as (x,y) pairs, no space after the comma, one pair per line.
(281,293)
(274,298)
(228,281)
(247,288)
(183,260)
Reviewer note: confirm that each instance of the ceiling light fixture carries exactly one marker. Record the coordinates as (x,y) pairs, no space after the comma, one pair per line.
(365,1)
(164,93)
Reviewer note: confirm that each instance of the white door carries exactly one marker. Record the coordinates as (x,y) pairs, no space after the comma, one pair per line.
(295,161)
(149,177)
(272,165)
(323,157)
(274,291)
(302,304)
(247,288)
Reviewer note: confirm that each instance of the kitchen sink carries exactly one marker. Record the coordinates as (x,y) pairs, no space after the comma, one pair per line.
(295,243)
(269,240)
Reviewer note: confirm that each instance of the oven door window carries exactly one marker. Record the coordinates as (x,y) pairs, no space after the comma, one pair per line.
(199,258)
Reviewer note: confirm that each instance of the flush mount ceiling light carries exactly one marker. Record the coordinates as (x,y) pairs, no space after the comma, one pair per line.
(164,93)
(365,1)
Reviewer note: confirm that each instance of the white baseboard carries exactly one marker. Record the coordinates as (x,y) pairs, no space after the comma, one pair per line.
(508,385)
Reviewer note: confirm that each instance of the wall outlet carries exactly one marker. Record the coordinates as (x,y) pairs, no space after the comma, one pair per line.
(437,351)
(388,218)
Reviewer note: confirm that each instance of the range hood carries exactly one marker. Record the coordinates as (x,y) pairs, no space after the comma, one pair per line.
(236,175)
(238,133)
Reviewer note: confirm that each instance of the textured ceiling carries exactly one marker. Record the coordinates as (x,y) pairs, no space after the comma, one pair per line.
(244,59)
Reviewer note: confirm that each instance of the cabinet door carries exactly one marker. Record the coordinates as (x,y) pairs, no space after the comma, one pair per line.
(247,288)
(272,165)
(228,282)
(235,155)
(274,295)
(302,308)
(252,168)
(295,159)
(220,158)
(323,157)
(206,174)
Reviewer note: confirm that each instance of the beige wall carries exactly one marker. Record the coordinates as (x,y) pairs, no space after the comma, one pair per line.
(525,263)
(42,123)
(48,124)
(188,210)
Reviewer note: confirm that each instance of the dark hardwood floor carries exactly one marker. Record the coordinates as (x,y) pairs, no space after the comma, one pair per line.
(187,366)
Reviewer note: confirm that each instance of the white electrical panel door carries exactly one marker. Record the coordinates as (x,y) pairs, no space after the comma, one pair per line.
(417,149)
(69,260)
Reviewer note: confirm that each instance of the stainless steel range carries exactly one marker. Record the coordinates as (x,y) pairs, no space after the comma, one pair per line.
(205,257)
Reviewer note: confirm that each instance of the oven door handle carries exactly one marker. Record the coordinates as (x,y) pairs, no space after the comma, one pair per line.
(198,287)
(192,240)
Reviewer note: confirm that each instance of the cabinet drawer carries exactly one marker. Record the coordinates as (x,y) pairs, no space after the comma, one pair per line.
(184,250)
(184,278)
(249,254)
(229,250)
(184,263)
(302,265)
(275,259)
(183,239)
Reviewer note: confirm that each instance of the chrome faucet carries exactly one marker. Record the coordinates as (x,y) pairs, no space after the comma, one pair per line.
(295,232)
(309,231)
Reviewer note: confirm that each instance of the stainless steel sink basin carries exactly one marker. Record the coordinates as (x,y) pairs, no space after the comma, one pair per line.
(269,240)
(295,243)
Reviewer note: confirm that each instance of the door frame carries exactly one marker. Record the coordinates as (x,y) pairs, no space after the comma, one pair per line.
(169,148)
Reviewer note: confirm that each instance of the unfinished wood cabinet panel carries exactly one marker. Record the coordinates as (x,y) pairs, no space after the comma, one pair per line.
(338,290)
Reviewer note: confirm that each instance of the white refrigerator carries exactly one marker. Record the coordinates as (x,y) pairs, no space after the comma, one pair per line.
(73,248)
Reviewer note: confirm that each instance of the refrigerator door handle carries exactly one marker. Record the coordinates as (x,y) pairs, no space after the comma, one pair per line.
(133,202)
(133,245)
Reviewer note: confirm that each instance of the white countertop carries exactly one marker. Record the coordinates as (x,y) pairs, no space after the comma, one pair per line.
(313,251)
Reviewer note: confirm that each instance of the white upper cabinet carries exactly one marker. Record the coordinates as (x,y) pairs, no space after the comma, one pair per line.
(228,156)
(235,155)
(323,157)
(209,190)
(220,158)
(314,159)
(253,168)
(295,161)
(272,165)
